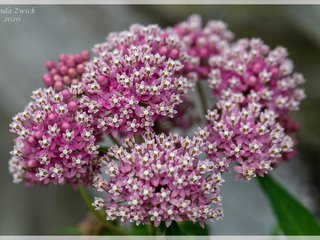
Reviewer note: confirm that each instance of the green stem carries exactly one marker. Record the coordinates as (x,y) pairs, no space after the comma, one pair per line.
(113,229)
(88,202)
(202,99)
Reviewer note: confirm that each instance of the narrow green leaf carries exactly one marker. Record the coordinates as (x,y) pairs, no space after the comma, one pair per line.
(173,230)
(292,216)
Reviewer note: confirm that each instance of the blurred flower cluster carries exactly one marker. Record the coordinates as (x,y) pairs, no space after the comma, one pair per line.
(139,78)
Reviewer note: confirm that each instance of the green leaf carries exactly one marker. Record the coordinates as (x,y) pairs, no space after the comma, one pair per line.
(142,229)
(69,231)
(292,216)
(162,227)
(191,228)
(173,230)
(103,150)
(105,231)
(276,230)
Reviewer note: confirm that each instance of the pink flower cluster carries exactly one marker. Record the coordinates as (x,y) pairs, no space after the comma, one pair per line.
(139,79)
(134,80)
(249,136)
(160,179)
(56,142)
(252,73)
(250,68)
(158,41)
(203,42)
(67,71)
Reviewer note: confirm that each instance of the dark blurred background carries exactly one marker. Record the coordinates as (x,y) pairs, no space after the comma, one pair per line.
(25,47)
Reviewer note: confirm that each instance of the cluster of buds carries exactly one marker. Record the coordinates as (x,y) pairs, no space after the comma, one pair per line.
(203,42)
(68,71)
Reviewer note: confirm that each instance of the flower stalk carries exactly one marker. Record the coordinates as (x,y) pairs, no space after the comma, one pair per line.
(111,228)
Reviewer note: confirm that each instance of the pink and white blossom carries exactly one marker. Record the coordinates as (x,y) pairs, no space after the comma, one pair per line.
(160,179)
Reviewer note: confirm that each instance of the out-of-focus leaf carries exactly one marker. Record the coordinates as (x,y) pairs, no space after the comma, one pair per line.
(105,231)
(276,230)
(173,230)
(142,229)
(103,150)
(292,216)
(69,231)
(191,228)
(307,19)
(162,227)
